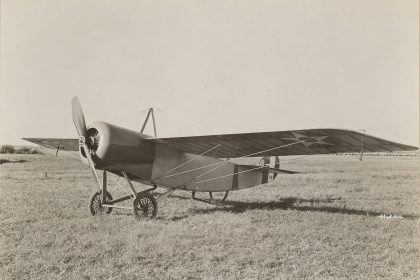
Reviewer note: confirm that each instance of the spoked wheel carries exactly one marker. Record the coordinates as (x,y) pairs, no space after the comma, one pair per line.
(218,197)
(144,207)
(95,204)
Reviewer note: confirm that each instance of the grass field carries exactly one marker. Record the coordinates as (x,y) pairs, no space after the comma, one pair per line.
(323,224)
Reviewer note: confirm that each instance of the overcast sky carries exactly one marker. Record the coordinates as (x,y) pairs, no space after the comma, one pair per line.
(211,67)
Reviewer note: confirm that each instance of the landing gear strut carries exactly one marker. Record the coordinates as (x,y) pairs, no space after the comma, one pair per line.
(144,203)
(212,200)
(223,199)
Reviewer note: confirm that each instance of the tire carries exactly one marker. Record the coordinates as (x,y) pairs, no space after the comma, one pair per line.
(145,207)
(95,204)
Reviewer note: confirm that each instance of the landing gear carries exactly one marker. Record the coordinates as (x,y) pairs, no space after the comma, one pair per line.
(96,202)
(144,203)
(217,198)
(144,206)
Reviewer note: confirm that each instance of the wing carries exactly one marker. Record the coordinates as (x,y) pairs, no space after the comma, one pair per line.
(53,143)
(283,143)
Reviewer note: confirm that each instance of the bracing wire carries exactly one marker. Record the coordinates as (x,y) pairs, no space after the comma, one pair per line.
(223,163)
(229,175)
(182,164)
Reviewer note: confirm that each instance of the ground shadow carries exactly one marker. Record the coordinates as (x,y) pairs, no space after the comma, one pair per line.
(294,203)
(287,203)
(12,161)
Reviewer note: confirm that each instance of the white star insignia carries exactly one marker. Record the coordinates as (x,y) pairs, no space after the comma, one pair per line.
(308,141)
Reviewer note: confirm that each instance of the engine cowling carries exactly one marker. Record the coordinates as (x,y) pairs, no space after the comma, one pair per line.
(116,148)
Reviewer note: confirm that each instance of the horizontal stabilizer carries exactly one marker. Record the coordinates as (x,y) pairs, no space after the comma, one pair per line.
(274,170)
(277,171)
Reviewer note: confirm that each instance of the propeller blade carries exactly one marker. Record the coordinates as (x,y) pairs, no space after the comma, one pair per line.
(78,117)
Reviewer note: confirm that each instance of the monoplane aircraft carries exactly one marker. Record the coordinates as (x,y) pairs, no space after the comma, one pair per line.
(196,163)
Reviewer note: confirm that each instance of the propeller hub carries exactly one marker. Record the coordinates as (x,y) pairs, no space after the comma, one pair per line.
(92,139)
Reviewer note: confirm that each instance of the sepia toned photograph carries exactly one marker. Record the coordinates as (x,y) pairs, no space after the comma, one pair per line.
(223,139)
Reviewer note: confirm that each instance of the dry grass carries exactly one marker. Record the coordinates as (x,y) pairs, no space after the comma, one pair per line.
(323,224)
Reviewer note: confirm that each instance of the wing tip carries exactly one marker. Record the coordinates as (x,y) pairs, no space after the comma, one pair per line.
(411,148)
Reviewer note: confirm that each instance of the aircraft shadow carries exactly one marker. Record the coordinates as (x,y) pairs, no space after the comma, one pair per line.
(287,203)
(12,161)
(293,203)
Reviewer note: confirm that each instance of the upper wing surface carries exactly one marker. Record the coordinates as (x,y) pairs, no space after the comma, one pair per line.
(65,144)
(283,143)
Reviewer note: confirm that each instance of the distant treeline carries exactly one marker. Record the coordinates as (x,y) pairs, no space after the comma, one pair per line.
(10,149)
(397,154)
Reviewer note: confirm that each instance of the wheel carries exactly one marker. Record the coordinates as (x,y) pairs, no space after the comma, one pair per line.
(223,199)
(95,204)
(145,207)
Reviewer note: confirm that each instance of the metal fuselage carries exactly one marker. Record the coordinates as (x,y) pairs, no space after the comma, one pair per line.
(117,149)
